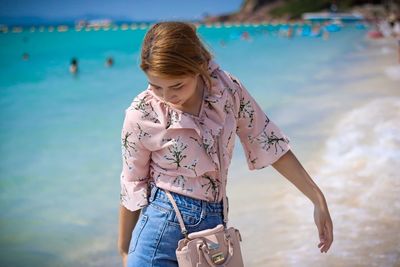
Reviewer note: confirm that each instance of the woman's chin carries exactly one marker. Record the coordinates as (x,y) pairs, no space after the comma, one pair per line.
(175,103)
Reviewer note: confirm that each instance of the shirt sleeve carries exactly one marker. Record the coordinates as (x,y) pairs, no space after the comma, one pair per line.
(262,140)
(135,164)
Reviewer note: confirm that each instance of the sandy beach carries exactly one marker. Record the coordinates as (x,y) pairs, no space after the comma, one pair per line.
(352,153)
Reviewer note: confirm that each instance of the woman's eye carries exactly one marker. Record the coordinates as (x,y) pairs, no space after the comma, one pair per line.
(159,88)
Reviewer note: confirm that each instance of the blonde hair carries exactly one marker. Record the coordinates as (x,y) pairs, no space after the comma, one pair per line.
(173,49)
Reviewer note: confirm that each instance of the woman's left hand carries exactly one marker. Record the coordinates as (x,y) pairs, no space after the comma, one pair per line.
(325,227)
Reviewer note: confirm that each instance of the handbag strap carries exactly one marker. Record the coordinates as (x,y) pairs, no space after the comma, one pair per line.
(222,172)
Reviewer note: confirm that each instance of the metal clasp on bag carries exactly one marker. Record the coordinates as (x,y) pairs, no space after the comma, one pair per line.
(185,233)
(218,258)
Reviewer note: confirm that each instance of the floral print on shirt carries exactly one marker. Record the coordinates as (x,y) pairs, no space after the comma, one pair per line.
(177,151)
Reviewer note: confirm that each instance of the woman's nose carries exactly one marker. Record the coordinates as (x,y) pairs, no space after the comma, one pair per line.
(169,96)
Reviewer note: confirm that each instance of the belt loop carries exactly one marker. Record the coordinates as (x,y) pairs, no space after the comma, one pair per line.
(203,209)
(153,192)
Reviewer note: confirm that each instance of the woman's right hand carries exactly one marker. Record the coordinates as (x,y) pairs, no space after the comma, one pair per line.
(324,224)
(127,222)
(124,258)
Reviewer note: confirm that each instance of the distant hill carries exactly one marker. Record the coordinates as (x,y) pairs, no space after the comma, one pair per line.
(250,10)
(262,10)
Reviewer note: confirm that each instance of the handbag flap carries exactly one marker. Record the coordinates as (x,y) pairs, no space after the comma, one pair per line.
(206,232)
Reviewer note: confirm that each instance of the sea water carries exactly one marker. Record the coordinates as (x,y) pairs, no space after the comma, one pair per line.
(61,155)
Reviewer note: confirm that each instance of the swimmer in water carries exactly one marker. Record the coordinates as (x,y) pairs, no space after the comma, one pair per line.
(245,36)
(109,62)
(73,67)
(25,56)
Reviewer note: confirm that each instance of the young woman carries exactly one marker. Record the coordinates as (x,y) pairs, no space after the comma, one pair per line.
(169,142)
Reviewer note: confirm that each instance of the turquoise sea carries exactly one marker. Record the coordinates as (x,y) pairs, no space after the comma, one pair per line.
(60,134)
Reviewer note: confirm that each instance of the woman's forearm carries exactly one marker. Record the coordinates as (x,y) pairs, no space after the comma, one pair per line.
(127,221)
(291,169)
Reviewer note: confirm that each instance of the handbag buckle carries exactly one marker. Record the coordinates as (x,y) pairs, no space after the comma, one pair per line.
(218,258)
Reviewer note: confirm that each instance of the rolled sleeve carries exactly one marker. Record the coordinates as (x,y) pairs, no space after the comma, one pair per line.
(135,164)
(262,140)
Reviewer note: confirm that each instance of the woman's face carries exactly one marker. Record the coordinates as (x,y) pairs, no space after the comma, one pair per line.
(179,91)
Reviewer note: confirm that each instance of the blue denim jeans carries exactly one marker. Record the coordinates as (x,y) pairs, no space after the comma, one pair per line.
(157,232)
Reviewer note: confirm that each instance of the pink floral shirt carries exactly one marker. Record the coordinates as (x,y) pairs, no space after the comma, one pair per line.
(177,151)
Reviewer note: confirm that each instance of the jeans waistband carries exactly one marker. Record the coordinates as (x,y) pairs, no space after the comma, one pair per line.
(158,194)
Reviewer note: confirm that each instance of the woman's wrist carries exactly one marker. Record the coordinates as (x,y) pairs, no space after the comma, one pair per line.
(123,251)
(319,200)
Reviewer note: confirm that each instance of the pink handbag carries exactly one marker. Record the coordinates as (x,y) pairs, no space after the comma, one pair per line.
(219,246)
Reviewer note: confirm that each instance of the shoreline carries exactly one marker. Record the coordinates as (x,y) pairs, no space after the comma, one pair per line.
(284,214)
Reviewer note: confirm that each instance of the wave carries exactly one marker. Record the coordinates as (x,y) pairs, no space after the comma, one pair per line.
(360,180)
(393,72)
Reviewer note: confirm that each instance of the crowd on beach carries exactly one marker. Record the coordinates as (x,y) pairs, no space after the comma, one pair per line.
(387,28)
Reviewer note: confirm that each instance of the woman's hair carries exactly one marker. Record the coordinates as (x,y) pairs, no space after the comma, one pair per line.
(173,49)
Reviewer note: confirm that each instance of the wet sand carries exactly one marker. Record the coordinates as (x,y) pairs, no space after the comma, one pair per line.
(350,144)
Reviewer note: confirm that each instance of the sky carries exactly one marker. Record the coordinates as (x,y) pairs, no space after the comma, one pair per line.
(141,10)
